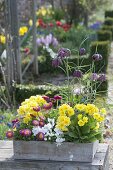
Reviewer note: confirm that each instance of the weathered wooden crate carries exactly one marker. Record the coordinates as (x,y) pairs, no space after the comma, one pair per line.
(38,150)
(7,161)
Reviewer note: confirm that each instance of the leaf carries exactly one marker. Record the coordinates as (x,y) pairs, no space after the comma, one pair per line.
(85,130)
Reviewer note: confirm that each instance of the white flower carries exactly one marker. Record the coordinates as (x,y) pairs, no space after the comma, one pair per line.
(59,141)
(52,121)
(38,129)
(58,132)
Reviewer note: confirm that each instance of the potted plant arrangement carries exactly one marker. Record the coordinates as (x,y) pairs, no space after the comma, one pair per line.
(62,128)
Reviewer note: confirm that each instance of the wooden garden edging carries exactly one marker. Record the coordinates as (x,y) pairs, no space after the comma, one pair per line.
(7,161)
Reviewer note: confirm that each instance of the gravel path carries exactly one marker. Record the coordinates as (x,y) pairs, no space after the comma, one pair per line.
(109,130)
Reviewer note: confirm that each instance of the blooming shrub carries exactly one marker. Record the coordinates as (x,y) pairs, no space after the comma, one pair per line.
(39,120)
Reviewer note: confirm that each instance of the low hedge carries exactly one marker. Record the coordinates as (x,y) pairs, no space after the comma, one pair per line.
(108,28)
(104,35)
(109,14)
(108,21)
(103,48)
(25,91)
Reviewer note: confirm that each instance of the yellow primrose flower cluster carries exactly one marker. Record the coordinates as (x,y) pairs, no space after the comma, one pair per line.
(23,30)
(92,111)
(63,122)
(82,120)
(44,11)
(65,109)
(2,39)
(65,112)
(26,109)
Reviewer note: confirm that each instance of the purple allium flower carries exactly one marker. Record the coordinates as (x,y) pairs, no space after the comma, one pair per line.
(35,122)
(9,134)
(102,77)
(37,109)
(56,62)
(94,76)
(58,97)
(77,73)
(64,52)
(97,57)
(48,106)
(27,132)
(40,136)
(82,51)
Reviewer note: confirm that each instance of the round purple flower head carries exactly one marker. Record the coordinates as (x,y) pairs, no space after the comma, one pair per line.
(64,52)
(94,76)
(56,62)
(102,77)
(77,73)
(97,57)
(82,51)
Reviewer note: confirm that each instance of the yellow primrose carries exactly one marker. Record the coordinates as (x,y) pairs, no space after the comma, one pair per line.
(70,111)
(80,107)
(101,119)
(91,109)
(103,111)
(2,39)
(63,108)
(79,116)
(85,119)
(21,110)
(26,119)
(97,126)
(81,123)
(96,116)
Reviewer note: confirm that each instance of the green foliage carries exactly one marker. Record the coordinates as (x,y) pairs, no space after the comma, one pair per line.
(103,48)
(6,117)
(109,14)
(58,14)
(73,38)
(104,35)
(108,21)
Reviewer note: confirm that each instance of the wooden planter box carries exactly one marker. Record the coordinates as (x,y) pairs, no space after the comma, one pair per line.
(38,150)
